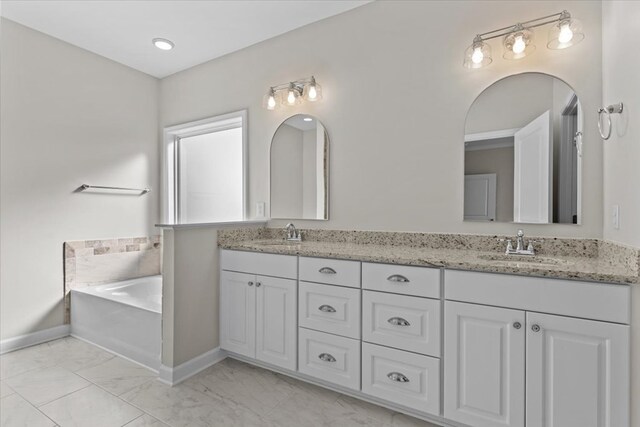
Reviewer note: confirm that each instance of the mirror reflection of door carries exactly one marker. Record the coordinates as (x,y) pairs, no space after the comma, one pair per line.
(523,130)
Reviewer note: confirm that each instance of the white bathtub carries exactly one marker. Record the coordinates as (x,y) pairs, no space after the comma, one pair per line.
(123,317)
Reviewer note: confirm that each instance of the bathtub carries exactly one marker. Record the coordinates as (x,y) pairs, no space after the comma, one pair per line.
(123,317)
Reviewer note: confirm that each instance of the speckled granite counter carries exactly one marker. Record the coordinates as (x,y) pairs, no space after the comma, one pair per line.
(559,258)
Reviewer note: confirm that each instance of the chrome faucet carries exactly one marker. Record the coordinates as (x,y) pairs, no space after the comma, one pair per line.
(520,250)
(293,235)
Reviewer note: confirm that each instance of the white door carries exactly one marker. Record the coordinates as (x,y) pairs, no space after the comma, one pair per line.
(480,197)
(532,172)
(484,365)
(577,372)
(276,321)
(238,313)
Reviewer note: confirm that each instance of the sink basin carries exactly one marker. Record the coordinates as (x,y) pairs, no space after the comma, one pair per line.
(523,259)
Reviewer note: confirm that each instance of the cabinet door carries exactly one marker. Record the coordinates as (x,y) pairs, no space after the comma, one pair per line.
(276,321)
(577,372)
(238,313)
(484,365)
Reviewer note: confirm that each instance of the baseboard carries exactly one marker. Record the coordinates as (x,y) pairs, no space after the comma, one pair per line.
(22,341)
(173,376)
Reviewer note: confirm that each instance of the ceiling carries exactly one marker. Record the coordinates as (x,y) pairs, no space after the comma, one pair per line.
(202,30)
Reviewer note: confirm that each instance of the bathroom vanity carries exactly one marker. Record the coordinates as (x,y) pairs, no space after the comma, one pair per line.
(456,347)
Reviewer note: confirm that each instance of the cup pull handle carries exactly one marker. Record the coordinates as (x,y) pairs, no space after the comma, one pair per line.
(397,377)
(326,357)
(398,321)
(326,309)
(327,270)
(399,278)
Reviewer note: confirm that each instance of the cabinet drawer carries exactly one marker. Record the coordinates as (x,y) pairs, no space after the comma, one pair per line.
(402,279)
(329,357)
(259,263)
(407,379)
(331,271)
(408,323)
(328,308)
(598,301)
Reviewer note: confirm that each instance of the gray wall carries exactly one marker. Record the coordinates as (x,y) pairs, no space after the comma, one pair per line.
(68,117)
(395,101)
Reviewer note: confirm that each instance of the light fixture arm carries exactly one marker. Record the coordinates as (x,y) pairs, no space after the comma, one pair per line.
(297,84)
(532,23)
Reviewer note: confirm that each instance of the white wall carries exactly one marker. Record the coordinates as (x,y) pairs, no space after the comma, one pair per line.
(621,67)
(395,100)
(621,82)
(68,117)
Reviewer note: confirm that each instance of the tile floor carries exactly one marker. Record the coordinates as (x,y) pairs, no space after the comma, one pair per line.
(68,382)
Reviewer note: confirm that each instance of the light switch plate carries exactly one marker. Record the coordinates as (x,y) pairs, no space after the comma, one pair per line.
(260,210)
(615,217)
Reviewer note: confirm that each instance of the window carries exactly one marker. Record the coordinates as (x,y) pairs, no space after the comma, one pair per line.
(205,170)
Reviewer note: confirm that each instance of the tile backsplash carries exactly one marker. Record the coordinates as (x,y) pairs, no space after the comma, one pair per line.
(91,262)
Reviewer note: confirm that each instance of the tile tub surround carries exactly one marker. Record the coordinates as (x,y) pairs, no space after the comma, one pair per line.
(92,262)
(585,259)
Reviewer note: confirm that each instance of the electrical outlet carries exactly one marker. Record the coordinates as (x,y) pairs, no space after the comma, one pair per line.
(615,217)
(260,210)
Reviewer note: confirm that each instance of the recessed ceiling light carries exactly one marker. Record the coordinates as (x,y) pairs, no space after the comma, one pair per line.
(163,44)
(308,119)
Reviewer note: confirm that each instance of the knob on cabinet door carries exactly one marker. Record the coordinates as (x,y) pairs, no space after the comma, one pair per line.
(517,325)
(535,328)
(250,283)
(258,284)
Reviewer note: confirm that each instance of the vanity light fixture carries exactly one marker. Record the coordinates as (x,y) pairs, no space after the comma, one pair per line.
(292,93)
(163,44)
(517,39)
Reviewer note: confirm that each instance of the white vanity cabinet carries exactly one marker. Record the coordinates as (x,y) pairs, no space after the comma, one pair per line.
(520,366)
(329,319)
(258,312)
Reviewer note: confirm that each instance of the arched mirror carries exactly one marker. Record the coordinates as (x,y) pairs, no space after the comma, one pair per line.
(300,169)
(522,152)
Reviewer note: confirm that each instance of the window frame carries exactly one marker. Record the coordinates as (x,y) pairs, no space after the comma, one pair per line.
(171,160)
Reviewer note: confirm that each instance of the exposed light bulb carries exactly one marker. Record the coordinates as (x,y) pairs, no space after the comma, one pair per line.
(291,97)
(313,93)
(519,45)
(271,102)
(566,34)
(477,55)
(308,119)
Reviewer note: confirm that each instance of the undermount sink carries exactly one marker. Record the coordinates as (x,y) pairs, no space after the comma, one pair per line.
(523,259)
(280,243)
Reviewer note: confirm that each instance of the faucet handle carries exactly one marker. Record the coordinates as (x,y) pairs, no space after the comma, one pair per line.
(520,233)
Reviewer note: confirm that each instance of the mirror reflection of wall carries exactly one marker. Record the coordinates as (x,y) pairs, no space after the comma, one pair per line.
(299,163)
(522,161)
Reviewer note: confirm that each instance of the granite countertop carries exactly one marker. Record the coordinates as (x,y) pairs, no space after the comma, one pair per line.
(598,267)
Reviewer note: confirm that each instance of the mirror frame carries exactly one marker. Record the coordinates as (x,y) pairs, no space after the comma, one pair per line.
(326,174)
(580,192)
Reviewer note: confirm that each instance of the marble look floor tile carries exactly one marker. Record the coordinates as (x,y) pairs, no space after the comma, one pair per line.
(91,406)
(117,375)
(27,359)
(74,354)
(5,390)
(41,386)
(146,421)
(17,412)
(258,389)
(182,406)
(386,416)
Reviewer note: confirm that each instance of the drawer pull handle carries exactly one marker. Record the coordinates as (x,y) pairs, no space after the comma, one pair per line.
(326,309)
(398,321)
(399,278)
(397,377)
(327,270)
(326,357)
